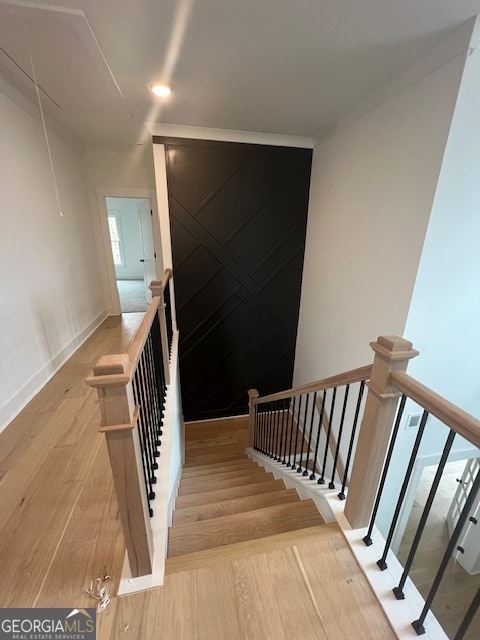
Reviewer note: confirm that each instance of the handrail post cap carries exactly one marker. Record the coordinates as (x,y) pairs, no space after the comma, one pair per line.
(394,348)
(116,363)
(253,393)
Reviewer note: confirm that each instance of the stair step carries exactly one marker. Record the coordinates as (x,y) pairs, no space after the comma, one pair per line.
(219,475)
(200,559)
(223,481)
(229,493)
(239,527)
(206,469)
(208,455)
(236,505)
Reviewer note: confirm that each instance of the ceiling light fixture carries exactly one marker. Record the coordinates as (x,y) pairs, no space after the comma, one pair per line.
(160,90)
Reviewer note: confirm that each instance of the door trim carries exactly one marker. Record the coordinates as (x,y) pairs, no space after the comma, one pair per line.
(111,295)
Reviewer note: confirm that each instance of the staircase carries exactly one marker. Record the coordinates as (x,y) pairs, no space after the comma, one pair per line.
(226,499)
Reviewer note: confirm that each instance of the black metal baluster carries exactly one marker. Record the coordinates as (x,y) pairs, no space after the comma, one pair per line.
(312,417)
(276,456)
(158,365)
(321,480)
(263,428)
(144,391)
(255,427)
(341,495)
(270,429)
(382,563)
(297,429)
(153,396)
(143,444)
(418,624)
(398,591)
(290,422)
(331,484)
(168,316)
(299,467)
(472,610)
(320,419)
(285,431)
(156,414)
(368,538)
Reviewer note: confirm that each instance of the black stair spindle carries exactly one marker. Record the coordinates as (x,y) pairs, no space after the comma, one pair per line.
(271,429)
(285,431)
(290,424)
(398,590)
(382,563)
(368,538)
(319,430)
(341,495)
(297,429)
(331,484)
(465,624)
(312,419)
(321,480)
(418,625)
(299,467)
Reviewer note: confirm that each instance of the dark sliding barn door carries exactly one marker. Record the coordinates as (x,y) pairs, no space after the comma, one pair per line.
(238,218)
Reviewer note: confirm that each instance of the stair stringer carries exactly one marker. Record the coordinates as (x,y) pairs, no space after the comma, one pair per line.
(305,487)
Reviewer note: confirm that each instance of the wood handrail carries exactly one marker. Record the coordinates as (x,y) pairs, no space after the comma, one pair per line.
(452,416)
(102,376)
(348,377)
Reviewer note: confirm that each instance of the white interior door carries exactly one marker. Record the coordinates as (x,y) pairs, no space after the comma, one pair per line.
(146,232)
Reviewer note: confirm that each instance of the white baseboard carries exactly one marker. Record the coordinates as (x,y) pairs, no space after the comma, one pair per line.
(22,397)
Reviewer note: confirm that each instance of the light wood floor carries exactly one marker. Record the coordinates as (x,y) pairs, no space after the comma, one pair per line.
(60,531)
(457,588)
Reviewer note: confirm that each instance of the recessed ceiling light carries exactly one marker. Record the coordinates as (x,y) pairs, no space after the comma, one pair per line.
(160,90)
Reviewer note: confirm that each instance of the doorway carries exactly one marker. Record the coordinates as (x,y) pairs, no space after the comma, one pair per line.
(132,248)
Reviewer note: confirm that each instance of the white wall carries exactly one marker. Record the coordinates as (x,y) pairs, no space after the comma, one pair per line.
(127,212)
(51,298)
(371,195)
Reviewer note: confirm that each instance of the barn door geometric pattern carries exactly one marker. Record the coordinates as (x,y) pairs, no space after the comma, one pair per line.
(238,219)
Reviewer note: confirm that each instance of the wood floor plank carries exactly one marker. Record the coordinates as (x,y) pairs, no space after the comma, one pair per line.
(257,606)
(216,602)
(300,615)
(92,545)
(218,476)
(342,593)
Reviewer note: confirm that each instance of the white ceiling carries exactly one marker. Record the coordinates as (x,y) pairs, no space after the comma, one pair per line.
(288,67)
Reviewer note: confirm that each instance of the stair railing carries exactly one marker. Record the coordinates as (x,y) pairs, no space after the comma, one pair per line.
(283,426)
(311,428)
(131,390)
(379,429)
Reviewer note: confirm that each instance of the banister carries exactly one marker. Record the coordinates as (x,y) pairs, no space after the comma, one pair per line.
(347,377)
(460,421)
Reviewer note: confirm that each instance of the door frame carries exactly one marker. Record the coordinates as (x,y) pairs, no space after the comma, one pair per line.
(112,297)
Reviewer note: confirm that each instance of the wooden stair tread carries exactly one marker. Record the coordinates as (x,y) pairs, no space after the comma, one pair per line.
(219,475)
(214,454)
(206,469)
(223,481)
(229,493)
(239,527)
(235,505)
(207,557)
